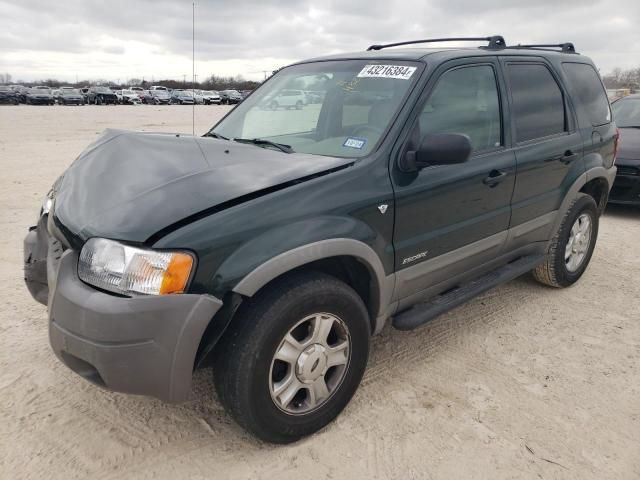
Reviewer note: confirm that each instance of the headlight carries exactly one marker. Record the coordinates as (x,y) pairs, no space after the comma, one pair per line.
(127,270)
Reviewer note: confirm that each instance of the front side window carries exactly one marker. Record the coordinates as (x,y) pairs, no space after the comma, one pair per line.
(465,100)
(538,103)
(334,108)
(585,86)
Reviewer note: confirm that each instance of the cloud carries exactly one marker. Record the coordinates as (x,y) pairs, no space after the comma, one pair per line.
(145,38)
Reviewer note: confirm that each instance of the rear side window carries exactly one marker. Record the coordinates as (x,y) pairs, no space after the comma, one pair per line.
(585,86)
(538,104)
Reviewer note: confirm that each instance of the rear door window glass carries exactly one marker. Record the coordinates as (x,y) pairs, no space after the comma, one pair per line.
(537,101)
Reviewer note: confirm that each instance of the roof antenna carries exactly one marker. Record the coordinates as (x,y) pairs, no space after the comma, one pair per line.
(193,69)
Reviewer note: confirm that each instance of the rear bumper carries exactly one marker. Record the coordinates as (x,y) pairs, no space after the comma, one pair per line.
(143,345)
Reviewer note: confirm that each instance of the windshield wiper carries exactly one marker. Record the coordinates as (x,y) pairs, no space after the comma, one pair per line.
(259,141)
(630,126)
(215,135)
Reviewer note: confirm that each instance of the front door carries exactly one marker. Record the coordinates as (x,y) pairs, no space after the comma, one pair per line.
(449,219)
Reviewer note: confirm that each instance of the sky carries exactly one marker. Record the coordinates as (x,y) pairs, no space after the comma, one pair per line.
(152,39)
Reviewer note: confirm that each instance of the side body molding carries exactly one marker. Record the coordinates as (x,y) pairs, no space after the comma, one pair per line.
(322,249)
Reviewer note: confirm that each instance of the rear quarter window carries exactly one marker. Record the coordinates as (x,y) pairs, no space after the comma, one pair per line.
(585,86)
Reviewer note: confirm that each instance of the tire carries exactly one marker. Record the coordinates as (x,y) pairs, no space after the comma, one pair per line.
(558,271)
(245,368)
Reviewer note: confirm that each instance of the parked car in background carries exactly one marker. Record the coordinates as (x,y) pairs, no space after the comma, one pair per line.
(158,97)
(198,98)
(16,88)
(286,99)
(182,97)
(626,188)
(158,87)
(145,96)
(138,90)
(227,97)
(128,97)
(245,93)
(22,94)
(312,96)
(8,96)
(39,96)
(102,96)
(210,97)
(55,93)
(70,96)
(85,93)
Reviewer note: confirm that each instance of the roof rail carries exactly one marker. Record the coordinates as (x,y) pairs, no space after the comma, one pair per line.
(564,47)
(496,41)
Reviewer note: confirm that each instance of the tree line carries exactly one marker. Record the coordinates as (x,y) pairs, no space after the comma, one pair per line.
(620,78)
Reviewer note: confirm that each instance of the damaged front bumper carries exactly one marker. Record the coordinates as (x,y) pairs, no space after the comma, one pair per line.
(143,345)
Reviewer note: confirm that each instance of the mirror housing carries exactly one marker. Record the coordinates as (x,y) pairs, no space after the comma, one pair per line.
(438,149)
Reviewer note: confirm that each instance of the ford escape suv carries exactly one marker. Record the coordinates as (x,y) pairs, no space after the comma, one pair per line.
(275,245)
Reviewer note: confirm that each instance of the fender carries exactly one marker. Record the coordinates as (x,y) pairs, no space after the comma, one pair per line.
(268,266)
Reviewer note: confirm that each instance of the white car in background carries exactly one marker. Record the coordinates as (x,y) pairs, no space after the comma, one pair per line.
(287,99)
(128,97)
(210,96)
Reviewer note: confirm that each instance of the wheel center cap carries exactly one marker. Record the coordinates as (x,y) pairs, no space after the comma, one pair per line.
(312,363)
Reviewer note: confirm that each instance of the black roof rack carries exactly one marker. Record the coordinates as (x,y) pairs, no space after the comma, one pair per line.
(564,47)
(496,41)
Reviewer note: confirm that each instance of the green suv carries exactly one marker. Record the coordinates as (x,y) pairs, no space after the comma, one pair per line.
(275,246)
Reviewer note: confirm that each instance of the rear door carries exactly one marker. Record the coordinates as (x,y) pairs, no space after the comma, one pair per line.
(549,147)
(452,218)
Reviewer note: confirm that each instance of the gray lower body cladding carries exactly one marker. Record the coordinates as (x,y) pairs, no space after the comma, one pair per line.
(142,345)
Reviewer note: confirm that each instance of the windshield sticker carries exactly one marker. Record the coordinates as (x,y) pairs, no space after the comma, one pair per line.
(355,142)
(400,72)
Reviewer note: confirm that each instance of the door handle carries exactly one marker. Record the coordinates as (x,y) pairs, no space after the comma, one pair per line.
(567,157)
(494,178)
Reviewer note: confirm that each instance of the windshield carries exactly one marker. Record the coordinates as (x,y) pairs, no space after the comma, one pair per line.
(344,112)
(626,112)
(102,90)
(39,90)
(70,92)
(127,92)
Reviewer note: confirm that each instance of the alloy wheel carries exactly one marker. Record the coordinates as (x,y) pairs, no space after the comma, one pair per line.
(578,243)
(310,363)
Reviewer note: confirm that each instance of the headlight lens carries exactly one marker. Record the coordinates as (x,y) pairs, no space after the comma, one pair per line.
(127,270)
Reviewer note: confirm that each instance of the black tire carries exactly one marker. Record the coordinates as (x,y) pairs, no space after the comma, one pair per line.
(554,271)
(242,368)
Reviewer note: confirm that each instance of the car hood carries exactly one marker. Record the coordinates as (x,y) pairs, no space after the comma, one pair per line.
(129,186)
(629,146)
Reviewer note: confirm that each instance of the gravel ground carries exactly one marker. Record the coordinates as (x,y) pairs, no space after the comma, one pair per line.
(522,382)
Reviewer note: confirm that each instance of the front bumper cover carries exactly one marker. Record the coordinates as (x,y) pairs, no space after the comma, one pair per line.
(143,345)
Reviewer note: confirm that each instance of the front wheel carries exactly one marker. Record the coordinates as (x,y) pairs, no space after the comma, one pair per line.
(572,247)
(293,357)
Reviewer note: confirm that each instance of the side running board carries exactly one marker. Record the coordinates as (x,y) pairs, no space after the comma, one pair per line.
(423,312)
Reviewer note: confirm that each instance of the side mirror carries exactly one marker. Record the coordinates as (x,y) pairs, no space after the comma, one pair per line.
(438,149)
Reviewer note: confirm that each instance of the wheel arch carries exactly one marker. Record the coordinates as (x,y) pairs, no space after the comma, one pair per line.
(349,260)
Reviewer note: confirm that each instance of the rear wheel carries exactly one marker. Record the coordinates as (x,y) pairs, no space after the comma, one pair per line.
(572,247)
(293,356)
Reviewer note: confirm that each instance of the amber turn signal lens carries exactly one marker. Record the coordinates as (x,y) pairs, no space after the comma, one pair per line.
(177,274)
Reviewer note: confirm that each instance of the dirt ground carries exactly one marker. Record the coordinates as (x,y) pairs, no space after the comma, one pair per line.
(523,382)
